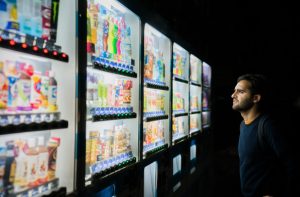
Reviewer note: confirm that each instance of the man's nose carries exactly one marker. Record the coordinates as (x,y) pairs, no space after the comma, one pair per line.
(233,95)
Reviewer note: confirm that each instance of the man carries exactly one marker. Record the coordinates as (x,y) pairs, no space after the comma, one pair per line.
(257,166)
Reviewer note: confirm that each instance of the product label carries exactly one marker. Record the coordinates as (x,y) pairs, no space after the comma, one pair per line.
(23,100)
(53,95)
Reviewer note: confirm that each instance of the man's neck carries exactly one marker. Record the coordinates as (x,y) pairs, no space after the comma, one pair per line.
(250,115)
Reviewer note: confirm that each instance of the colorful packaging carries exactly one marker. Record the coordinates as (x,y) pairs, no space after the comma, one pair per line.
(149,64)
(94,146)
(12,23)
(3,88)
(93,13)
(127,85)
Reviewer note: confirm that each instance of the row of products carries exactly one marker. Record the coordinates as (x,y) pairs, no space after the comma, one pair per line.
(16,119)
(153,132)
(24,88)
(27,163)
(113,93)
(154,101)
(180,68)
(110,64)
(108,34)
(107,143)
(31,17)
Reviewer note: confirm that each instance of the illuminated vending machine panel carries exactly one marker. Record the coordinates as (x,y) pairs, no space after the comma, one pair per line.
(195,94)
(180,95)
(112,92)
(37,97)
(206,95)
(157,61)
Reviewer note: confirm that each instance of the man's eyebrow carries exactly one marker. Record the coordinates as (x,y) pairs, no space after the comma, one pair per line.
(240,89)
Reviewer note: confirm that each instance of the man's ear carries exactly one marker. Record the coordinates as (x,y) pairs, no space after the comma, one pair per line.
(256,98)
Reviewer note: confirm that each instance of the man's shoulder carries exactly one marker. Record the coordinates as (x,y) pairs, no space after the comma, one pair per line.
(271,120)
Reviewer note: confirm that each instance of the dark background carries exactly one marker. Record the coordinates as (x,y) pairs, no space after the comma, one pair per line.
(234,37)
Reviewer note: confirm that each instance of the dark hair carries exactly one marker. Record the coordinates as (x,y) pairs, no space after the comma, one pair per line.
(259,85)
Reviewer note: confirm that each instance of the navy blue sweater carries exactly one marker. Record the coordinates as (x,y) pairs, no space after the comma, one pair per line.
(257,164)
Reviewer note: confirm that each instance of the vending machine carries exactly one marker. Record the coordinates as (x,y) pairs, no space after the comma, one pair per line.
(195,94)
(111,88)
(37,97)
(180,93)
(156,114)
(180,119)
(195,111)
